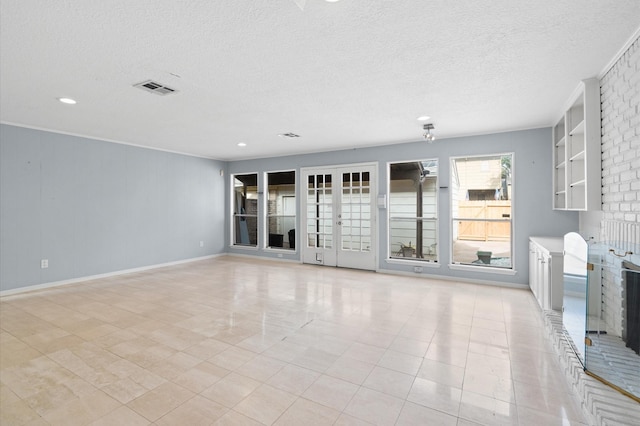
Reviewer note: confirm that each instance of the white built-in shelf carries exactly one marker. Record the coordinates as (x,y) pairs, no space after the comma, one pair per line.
(577,151)
(578,156)
(578,129)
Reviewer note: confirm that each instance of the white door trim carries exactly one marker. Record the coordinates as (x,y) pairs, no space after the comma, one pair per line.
(334,256)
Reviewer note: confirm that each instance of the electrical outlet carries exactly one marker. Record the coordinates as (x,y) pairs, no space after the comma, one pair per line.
(201,243)
(279,254)
(417,269)
(44,263)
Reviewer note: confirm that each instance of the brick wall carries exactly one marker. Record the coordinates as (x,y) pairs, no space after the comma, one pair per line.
(620,98)
(620,226)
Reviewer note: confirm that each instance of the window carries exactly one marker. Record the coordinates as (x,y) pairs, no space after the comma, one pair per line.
(481,201)
(413,210)
(281,210)
(245,210)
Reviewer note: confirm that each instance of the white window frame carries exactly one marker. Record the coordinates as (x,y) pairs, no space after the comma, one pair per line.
(266,216)
(233,215)
(482,268)
(435,219)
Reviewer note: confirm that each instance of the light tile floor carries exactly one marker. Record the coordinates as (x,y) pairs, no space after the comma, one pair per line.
(237,341)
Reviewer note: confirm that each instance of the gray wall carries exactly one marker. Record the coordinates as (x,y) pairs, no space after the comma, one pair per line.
(94,207)
(533,214)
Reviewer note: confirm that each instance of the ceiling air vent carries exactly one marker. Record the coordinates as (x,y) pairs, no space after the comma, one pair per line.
(155,87)
(289,135)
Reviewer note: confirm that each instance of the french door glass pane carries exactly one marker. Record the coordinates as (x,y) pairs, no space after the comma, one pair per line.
(320,241)
(355,216)
(319,211)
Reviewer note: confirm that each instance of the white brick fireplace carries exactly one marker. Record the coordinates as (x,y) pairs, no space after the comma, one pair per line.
(623,237)
(616,227)
(620,224)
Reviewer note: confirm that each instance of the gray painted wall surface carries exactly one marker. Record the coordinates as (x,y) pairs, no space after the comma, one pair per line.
(94,207)
(532,210)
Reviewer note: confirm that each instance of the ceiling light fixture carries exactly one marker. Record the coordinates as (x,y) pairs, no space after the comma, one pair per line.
(428,136)
(423,118)
(67,101)
(242,144)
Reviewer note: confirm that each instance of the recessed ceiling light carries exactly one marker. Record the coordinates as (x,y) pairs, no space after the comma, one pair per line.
(67,101)
(242,144)
(423,118)
(332,1)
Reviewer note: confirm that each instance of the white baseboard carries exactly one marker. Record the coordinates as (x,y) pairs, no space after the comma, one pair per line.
(44,286)
(458,279)
(394,272)
(106,275)
(254,257)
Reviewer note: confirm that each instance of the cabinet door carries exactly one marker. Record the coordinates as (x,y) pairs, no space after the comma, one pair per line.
(533,269)
(557,285)
(542,282)
(545,263)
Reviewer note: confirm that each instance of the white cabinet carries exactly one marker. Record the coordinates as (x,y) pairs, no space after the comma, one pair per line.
(545,271)
(577,151)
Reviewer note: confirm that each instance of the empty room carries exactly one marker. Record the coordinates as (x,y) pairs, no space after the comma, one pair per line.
(319,212)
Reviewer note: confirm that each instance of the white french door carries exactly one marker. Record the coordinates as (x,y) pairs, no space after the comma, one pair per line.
(339,216)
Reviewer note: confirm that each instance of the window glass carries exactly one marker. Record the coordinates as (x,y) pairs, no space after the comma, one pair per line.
(281,210)
(481,201)
(245,209)
(413,210)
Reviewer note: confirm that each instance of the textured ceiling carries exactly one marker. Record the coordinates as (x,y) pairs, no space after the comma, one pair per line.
(342,75)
